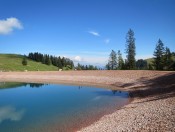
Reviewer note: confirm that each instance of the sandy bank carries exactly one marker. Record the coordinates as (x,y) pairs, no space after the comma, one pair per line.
(153,108)
(113,78)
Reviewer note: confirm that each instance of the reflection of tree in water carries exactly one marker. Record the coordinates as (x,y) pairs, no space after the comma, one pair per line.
(115,91)
(79,87)
(5,85)
(36,85)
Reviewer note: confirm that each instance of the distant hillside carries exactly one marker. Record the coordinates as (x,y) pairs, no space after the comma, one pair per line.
(150,60)
(13,62)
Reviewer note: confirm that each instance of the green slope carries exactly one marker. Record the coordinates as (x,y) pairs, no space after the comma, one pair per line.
(13,62)
(150,60)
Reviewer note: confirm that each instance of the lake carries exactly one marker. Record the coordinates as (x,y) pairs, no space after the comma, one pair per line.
(30,107)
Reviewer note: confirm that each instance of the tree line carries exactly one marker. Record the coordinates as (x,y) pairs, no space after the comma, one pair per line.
(162,60)
(51,60)
(163,57)
(86,67)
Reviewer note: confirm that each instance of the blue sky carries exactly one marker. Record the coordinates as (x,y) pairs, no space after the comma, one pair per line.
(85,30)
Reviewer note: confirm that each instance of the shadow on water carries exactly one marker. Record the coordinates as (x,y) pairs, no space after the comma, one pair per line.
(112,93)
(109,92)
(158,88)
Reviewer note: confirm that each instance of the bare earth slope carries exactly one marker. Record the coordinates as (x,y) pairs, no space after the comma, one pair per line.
(153,107)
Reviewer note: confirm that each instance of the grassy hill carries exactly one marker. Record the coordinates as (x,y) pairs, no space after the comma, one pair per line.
(13,62)
(150,60)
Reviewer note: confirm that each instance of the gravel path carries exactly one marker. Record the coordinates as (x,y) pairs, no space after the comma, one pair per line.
(154,116)
(153,93)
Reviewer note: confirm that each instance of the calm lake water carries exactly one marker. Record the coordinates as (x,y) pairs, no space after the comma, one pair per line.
(51,107)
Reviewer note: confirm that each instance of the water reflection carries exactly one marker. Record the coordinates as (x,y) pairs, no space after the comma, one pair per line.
(10,113)
(96,98)
(5,85)
(115,91)
(54,106)
(80,87)
(112,93)
(36,85)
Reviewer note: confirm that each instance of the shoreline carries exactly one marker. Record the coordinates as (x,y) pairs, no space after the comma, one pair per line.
(153,94)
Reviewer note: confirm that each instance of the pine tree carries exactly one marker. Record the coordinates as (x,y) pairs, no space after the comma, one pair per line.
(24,61)
(48,61)
(86,67)
(130,49)
(112,63)
(172,66)
(159,53)
(167,59)
(72,65)
(141,64)
(79,66)
(120,60)
(59,64)
(44,59)
(63,62)
(107,66)
(150,67)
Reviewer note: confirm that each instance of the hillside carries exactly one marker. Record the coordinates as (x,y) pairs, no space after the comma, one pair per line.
(150,60)
(12,62)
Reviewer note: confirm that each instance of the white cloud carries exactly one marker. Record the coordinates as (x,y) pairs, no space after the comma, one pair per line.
(10,113)
(107,41)
(98,58)
(77,58)
(94,33)
(8,25)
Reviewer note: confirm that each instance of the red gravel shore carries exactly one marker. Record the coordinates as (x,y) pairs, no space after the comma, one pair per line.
(153,107)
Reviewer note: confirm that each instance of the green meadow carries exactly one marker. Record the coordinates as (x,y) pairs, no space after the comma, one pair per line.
(13,62)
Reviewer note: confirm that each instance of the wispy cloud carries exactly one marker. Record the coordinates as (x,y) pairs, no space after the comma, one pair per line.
(107,41)
(7,26)
(94,33)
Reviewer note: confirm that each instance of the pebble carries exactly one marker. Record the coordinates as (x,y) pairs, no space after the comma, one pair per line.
(157,115)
